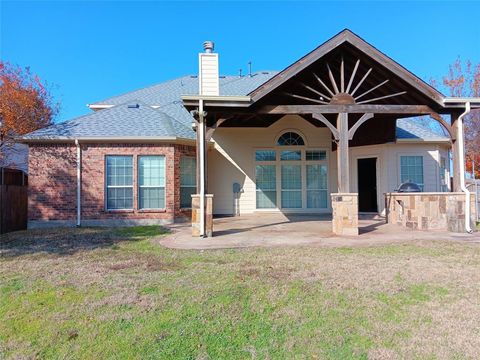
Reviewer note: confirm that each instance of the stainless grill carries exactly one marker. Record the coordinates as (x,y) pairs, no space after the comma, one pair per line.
(409,187)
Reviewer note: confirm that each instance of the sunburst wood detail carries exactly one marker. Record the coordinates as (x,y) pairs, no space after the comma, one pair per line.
(341,94)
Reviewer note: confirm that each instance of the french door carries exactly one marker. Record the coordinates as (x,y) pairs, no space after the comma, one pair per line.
(291,179)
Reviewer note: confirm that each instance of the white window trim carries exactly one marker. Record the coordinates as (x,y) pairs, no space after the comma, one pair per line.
(399,167)
(185,186)
(303,162)
(263,163)
(105,191)
(444,187)
(164,187)
(284,131)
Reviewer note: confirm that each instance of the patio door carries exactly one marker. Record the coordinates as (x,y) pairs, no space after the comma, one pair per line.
(304,186)
(291,179)
(292,186)
(367,185)
(316,186)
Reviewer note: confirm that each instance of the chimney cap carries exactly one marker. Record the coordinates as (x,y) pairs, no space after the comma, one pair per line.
(208,46)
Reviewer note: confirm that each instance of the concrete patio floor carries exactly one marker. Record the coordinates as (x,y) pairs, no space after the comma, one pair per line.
(272,230)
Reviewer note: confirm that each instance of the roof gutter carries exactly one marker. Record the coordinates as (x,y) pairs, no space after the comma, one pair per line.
(63,139)
(462,100)
(224,101)
(192,100)
(79,182)
(425,141)
(461,155)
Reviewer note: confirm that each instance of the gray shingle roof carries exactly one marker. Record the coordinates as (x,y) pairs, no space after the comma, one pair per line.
(171,119)
(411,128)
(171,90)
(132,119)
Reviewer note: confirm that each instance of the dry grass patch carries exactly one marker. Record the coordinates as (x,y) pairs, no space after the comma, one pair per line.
(110,293)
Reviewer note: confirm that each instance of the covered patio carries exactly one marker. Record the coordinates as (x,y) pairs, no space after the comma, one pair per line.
(356,94)
(277,230)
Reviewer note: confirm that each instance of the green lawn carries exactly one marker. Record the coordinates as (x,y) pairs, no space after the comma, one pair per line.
(103,293)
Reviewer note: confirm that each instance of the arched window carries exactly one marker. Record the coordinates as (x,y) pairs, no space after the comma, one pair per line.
(290,139)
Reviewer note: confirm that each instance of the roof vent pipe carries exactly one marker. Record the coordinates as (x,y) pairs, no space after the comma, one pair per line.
(208,46)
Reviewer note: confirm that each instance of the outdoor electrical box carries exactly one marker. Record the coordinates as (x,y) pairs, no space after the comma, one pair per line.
(237,189)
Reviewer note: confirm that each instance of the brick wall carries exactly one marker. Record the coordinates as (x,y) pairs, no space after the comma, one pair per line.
(52,194)
(52,179)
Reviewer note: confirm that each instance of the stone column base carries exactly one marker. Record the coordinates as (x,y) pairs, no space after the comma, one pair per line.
(208,215)
(345,214)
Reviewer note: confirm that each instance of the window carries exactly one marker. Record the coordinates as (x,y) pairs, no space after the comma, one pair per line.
(443,175)
(265,155)
(291,155)
(188,180)
(291,178)
(315,155)
(266,186)
(119,180)
(411,169)
(291,186)
(290,139)
(316,186)
(151,182)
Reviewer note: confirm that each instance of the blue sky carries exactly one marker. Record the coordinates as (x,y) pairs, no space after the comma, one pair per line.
(93,50)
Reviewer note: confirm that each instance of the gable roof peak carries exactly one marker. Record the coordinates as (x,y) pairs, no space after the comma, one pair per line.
(370,51)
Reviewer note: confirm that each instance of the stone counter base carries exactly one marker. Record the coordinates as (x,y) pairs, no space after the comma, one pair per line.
(429,211)
(345,214)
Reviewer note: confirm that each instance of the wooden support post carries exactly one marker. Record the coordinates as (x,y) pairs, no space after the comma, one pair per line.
(205,159)
(457,170)
(342,154)
(197,153)
(198,144)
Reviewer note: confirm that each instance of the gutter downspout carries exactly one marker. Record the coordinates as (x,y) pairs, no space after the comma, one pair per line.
(79,182)
(461,159)
(202,165)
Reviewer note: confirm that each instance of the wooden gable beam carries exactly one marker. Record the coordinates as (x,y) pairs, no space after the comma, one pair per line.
(346,36)
(350,108)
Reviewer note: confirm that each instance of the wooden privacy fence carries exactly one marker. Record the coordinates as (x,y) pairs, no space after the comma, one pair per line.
(13,200)
(13,208)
